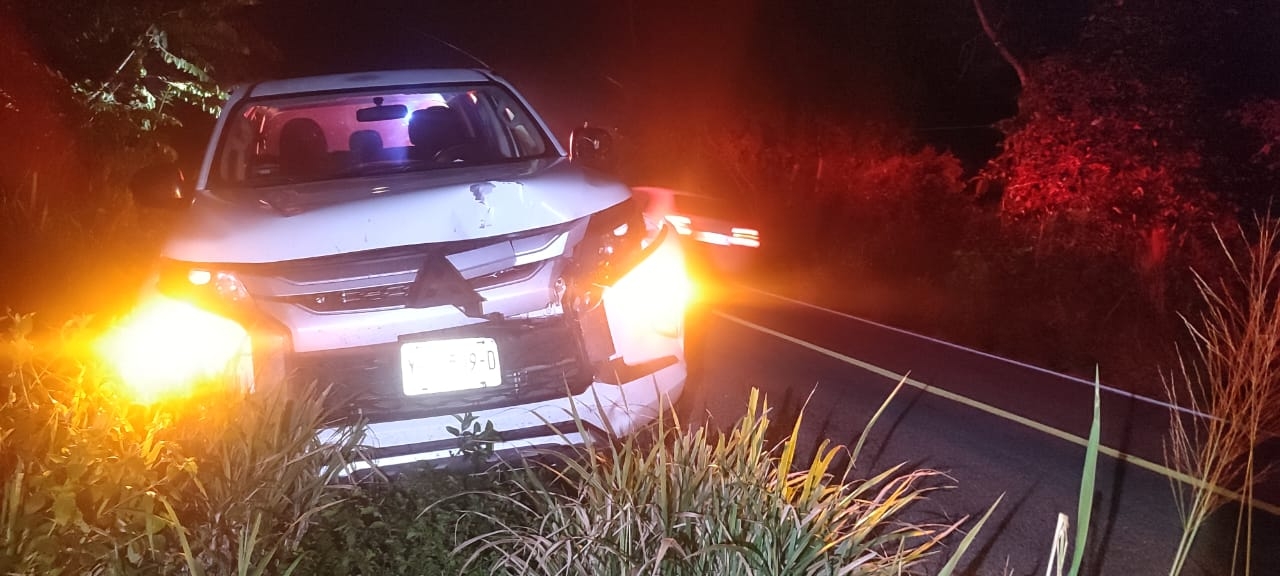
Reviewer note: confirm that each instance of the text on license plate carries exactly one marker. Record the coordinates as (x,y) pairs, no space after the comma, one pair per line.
(449,365)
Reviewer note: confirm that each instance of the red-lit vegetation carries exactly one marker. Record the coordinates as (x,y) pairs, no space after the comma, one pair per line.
(1072,247)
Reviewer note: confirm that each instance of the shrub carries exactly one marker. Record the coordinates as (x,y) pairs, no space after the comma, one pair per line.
(78,468)
(851,196)
(407,526)
(689,504)
(1262,117)
(91,482)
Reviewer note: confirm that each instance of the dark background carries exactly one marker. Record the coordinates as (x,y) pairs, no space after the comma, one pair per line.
(924,65)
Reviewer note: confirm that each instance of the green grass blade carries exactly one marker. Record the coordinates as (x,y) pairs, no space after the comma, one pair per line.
(866,430)
(193,565)
(950,566)
(1087,479)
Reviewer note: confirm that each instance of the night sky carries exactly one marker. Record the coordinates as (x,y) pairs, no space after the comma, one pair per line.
(920,63)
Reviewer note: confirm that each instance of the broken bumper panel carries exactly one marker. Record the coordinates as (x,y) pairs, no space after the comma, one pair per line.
(606,371)
(540,361)
(600,411)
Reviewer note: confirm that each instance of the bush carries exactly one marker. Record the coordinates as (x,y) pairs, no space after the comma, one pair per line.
(91,482)
(851,196)
(408,526)
(689,504)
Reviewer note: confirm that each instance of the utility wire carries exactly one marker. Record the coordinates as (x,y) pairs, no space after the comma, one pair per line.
(454,47)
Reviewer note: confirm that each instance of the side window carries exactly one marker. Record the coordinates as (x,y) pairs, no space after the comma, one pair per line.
(238,145)
(523,131)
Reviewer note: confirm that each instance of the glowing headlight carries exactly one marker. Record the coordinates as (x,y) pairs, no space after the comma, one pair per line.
(213,290)
(167,346)
(657,288)
(640,270)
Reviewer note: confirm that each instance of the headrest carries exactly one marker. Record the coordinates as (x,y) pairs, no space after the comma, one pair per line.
(302,144)
(365,141)
(436,127)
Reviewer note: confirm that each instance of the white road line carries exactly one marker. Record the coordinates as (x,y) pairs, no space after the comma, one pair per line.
(1089,383)
(1000,413)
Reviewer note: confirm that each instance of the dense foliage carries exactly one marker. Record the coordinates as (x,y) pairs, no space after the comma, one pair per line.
(1107,154)
(128,67)
(91,483)
(89,93)
(694,502)
(1138,131)
(410,525)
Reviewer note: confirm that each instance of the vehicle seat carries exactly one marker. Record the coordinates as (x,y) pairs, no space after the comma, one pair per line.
(437,134)
(304,153)
(365,145)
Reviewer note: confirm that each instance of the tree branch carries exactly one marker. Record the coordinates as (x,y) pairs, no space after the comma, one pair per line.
(1004,52)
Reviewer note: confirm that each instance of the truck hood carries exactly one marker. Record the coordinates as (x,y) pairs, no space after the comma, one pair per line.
(356,214)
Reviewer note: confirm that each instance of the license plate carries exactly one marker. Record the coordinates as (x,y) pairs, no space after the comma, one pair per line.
(436,366)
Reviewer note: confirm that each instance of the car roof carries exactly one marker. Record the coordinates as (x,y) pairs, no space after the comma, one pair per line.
(367,80)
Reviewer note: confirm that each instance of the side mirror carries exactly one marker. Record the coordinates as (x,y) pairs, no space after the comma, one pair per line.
(160,186)
(592,146)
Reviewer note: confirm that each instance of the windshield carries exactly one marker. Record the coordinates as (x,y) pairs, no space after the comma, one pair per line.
(291,139)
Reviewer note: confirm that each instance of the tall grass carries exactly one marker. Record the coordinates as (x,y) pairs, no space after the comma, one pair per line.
(91,483)
(1235,379)
(1084,502)
(381,528)
(690,503)
(263,476)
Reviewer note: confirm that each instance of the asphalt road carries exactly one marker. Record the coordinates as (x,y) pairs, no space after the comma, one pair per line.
(994,426)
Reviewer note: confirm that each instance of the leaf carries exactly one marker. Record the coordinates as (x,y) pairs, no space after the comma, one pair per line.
(154,522)
(65,509)
(866,431)
(193,566)
(132,552)
(1085,505)
(24,326)
(952,562)
(35,501)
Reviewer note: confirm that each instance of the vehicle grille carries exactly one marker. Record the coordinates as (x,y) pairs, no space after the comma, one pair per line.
(393,296)
(541,360)
(397,295)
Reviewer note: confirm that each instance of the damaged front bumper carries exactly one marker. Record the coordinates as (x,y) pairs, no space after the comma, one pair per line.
(608,364)
(585,322)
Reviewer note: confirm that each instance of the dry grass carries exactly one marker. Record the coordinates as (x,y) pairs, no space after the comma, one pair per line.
(691,503)
(1234,379)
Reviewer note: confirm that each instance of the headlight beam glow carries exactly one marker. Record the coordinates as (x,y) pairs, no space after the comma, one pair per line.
(658,288)
(165,347)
